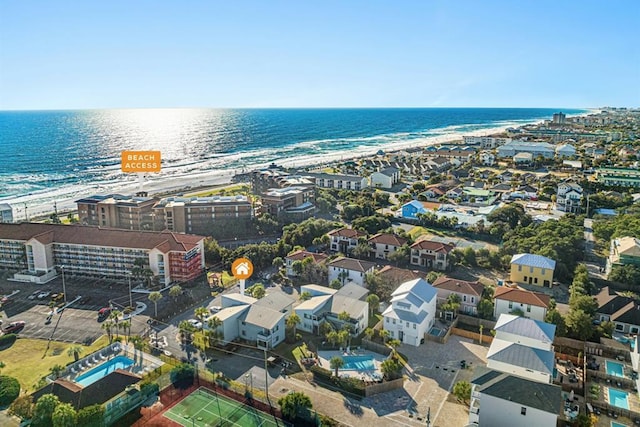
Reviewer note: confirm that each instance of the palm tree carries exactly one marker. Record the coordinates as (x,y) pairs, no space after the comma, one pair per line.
(75,351)
(293,321)
(175,291)
(394,344)
(201,313)
(384,334)
(107,325)
(126,328)
(137,342)
(154,297)
(213,323)
(186,329)
(374,303)
(336,363)
(368,333)
(115,317)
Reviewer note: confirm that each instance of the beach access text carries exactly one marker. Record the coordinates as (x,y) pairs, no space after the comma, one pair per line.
(141,161)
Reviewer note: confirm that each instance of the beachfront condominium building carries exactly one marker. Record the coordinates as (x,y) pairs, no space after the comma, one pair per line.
(6,213)
(534,148)
(294,202)
(265,179)
(200,214)
(117,211)
(340,182)
(559,118)
(485,141)
(619,177)
(532,269)
(40,251)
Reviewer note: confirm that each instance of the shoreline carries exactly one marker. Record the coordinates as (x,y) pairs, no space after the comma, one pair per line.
(63,199)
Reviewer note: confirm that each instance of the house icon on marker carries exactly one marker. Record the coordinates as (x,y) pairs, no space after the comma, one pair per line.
(242,269)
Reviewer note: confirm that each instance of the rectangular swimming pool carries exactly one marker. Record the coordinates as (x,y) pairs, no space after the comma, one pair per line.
(619,398)
(101,371)
(615,424)
(358,363)
(615,368)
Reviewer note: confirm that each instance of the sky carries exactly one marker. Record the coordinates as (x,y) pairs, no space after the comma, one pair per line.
(269,54)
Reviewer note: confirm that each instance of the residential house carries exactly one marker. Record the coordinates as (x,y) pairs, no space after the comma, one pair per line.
(565,150)
(438,164)
(523,159)
(530,192)
(624,251)
(569,197)
(508,400)
(506,176)
(431,254)
(623,311)
(385,178)
(455,193)
(533,305)
(487,158)
(318,258)
(411,209)
(470,293)
(412,312)
(384,244)
(434,192)
(326,305)
(349,270)
(536,149)
(343,240)
(523,347)
(532,269)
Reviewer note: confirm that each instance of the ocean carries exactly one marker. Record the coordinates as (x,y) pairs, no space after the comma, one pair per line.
(61,152)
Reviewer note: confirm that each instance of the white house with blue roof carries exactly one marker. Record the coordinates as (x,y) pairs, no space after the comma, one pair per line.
(412,311)
(523,347)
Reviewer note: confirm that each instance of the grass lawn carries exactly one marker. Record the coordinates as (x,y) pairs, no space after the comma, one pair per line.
(418,231)
(373,320)
(25,359)
(227,190)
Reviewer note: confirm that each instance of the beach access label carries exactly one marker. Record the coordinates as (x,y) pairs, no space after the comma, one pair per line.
(141,161)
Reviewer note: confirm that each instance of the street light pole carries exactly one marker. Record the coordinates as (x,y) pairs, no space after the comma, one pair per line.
(64,288)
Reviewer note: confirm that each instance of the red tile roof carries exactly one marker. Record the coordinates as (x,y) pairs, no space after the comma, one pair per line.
(300,255)
(347,232)
(522,296)
(461,286)
(400,275)
(433,246)
(387,239)
(165,241)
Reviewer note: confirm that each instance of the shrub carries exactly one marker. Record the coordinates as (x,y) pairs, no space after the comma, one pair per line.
(182,375)
(9,390)
(149,388)
(7,340)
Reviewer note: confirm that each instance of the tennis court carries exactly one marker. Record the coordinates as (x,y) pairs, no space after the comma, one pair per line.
(207,408)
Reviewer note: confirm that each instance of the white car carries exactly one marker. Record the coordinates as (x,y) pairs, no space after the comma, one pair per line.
(195,323)
(214,309)
(34,295)
(44,294)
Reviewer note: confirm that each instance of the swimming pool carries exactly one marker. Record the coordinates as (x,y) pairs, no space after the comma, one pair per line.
(619,398)
(615,424)
(101,371)
(358,363)
(626,340)
(614,368)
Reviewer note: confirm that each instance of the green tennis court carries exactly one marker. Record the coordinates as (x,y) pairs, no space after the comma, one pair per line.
(204,408)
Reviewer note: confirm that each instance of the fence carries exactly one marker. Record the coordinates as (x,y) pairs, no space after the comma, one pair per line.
(383,387)
(486,338)
(476,321)
(375,347)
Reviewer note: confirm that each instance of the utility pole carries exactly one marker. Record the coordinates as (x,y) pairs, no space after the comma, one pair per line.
(266,376)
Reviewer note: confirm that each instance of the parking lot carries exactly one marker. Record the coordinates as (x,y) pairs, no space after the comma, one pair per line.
(78,322)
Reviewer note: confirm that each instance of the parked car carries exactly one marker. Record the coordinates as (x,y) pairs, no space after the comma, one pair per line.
(57,297)
(34,295)
(103,313)
(195,323)
(44,294)
(14,327)
(214,309)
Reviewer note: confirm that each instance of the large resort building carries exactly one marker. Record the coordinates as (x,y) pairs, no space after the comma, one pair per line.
(117,211)
(40,250)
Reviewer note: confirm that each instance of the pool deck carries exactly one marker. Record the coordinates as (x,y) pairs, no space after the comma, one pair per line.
(142,362)
(325,356)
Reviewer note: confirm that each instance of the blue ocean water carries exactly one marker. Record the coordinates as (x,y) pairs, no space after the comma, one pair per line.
(46,150)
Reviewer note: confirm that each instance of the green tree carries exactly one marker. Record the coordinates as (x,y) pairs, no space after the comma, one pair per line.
(56,370)
(335,284)
(277,262)
(579,324)
(585,303)
(186,330)
(258,291)
(462,391)
(553,316)
(485,308)
(107,326)
(361,251)
(384,334)
(293,321)
(175,291)
(22,407)
(154,297)
(394,344)
(214,334)
(9,390)
(452,304)
(391,368)
(374,303)
(43,410)
(432,276)
(336,363)
(75,351)
(368,333)
(91,416)
(201,313)
(400,257)
(294,404)
(182,376)
(126,328)
(64,415)
(305,296)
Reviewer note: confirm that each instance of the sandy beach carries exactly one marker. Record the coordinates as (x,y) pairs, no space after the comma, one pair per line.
(39,205)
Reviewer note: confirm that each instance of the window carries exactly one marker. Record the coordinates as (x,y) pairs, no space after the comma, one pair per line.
(407,324)
(530,269)
(543,271)
(535,280)
(519,268)
(414,325)
(634,330)
(523,411)
(473,300)
(619,327)
(510,304)
(387,319)
(528,308)
(394,321)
